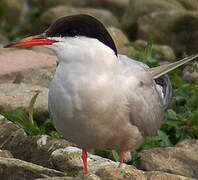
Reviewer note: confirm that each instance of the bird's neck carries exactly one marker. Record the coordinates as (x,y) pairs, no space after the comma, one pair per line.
(85,50)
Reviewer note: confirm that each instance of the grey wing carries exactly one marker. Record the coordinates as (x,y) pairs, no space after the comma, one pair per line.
(146,110)
(146,105)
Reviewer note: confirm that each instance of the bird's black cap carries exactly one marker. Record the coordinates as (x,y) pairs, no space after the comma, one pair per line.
(81,25)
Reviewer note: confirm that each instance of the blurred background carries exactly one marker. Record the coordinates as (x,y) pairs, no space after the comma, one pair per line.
(166,22)
(152,31)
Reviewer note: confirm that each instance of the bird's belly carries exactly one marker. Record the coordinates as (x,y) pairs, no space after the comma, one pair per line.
(92,118)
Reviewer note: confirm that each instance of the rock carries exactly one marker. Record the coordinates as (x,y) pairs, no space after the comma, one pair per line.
(59,11)
(5,154)
(120,173)
(112,5)
(11,168)
(35,149)
(165,51)
(87,177)
(156,175)
(137,9)
(3,50)
(189,4)
(43,49)
(69,159)
(178,29)
(14,96)
(49,152)
(122,43)
(132,173)
(181,160)
(62,178)
(186,143)
(46,4)
(116,6)
(40,77)
(190,73)
(3,38)
(16,65)
(10,133)
(12,11)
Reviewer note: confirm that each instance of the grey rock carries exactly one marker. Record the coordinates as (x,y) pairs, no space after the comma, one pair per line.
(186,143)
(12,11)
(83,177)
(69,159)
(35,149)
(5,154)
(3,38)
(26,66)
(13,96)
(137,9)
(178,29)
(121,173)
(54,13)
(4,50)
(43,49)
(38,149)
(46,4)
(9,133)
(49,152)
(121,41)
(165,51)
(15,169)
(189,4)
(157,175)
(190,73)
(40,77)
(181,160)
(116,6)
(129,173)
(60,178)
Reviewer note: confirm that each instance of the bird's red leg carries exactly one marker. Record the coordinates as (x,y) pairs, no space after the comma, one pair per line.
(84,158)
(121,157)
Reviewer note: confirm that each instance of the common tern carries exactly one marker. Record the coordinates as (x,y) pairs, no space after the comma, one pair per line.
(99,99)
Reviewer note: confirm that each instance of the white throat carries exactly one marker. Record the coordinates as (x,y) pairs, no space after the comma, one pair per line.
(82,49)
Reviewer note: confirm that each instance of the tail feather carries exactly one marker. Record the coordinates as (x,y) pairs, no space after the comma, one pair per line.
(163,69)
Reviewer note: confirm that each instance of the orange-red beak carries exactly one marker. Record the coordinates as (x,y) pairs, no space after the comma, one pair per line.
(30,41)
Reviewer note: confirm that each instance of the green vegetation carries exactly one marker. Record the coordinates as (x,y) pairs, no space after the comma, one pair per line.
(180,122)
(26,121)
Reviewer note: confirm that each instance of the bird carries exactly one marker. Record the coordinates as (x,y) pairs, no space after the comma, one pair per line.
(99,99)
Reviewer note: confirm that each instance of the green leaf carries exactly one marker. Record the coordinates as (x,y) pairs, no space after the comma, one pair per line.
(55,134)
(115,156)
(164,138)
(148,51)
(135,159)
(11,117)
(31,107)
(171,114)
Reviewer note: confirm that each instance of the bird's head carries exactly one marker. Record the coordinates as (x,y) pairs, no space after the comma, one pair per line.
(69,28)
